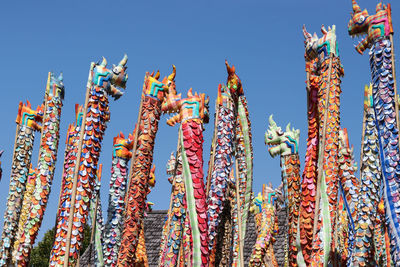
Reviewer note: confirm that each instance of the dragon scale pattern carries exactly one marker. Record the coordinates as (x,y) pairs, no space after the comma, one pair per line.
(148,127)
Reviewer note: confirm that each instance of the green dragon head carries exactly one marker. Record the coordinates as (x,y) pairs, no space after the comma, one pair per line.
(320,47)
(283,143)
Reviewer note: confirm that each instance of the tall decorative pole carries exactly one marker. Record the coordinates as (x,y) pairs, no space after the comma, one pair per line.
(150,113)
(310,173)
(330,71)
(27,119)
(221,161)
(46,167)
(101,82)
(116,207)
(244,158)
(378,28)
(286,144)
(370,184)
(192,113)
(64,204)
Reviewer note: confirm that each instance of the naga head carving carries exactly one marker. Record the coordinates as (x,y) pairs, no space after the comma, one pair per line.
(29,117)
(322,47)
(271,197)
(111,81)
(373,26)
(233,82)
(171,96)
(281,143)
(122,146)
(224,97)
(57,86)
(155,88)
(194,106)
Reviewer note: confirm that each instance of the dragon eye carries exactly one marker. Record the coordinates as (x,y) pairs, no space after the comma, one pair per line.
(361,19)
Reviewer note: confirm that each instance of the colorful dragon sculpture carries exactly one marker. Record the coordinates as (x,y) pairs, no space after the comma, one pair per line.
(266,219)
(286,144)
(192,113)
(224,152)
(118,181)
(173,237)
(30,188)
(102,81)
(324,51)
(27,123)
(349,187)
(71,150)
(310,173)
(45,169)
(370,184)
(153,95)
(244,160)
(378,28)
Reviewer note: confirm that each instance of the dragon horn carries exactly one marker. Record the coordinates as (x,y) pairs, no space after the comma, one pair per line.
(323,29)
(60,77)
(231,70)
(379,7)
(103,62)
(123,62)
(171,77)
(157,75)
(272,123)
(306,34)
(288,127)
(152,73)
(356,7)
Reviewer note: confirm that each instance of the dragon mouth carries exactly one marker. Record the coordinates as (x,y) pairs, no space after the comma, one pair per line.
(273,149)
(358,36)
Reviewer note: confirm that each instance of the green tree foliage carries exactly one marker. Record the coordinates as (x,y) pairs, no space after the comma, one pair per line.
(41,253)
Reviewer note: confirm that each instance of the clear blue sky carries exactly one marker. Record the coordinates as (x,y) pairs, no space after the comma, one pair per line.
(263,39)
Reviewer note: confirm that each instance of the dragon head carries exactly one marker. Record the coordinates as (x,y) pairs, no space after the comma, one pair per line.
(57,86)
(29,117)
(171,100)
(283,143)
(171,167)
(122,146)
(155,88)
(269,198)
(112,81)
(322,47)
(194,106)
(374,26)
(233,82)
(224,97)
